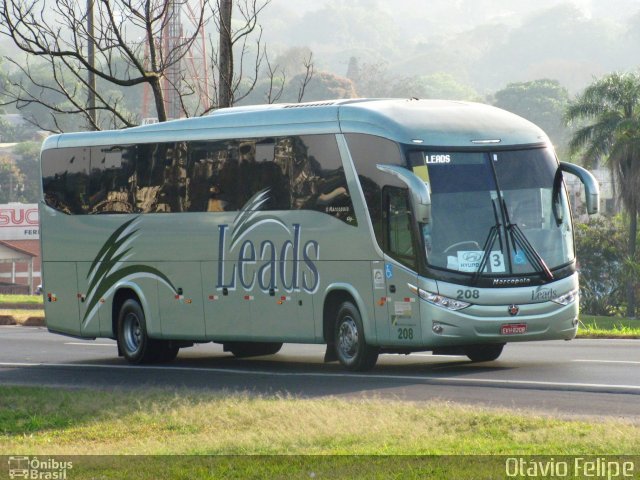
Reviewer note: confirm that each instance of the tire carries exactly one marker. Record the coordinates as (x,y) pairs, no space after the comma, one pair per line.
(252,349)
(483,353)
(350,344)
(133,342)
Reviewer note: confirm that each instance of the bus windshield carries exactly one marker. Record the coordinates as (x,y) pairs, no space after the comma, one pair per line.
(499,213)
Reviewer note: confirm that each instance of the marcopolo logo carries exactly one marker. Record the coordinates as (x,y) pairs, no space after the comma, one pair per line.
(290,264)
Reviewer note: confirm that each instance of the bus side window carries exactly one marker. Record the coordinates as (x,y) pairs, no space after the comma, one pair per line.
(399,241)
(65,182)
(112,182)
(318,181)
(259,171)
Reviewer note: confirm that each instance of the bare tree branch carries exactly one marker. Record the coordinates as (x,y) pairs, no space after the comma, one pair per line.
(274,93)
(126,33)
(308,75)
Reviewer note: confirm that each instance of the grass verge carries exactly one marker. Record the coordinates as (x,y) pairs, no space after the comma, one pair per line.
(592,326)
(181,434)
(55,421)
(31,299)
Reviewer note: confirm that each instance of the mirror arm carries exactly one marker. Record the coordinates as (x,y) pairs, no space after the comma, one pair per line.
(592,189)
(418,189)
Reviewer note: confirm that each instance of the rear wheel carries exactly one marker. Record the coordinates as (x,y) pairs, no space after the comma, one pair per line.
(252,349)
(350,345)
(483,353)
(133,341)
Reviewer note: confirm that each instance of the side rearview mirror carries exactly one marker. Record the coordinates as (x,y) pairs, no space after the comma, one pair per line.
(418,190)
(591,187)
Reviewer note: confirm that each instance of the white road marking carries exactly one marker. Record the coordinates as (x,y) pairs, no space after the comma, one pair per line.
(445,380)
(624,362)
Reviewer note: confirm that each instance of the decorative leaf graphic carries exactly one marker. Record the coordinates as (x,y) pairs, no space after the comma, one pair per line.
(246,219)
(106,269)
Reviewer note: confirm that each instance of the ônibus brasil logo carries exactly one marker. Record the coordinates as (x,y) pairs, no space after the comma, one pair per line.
(290,266)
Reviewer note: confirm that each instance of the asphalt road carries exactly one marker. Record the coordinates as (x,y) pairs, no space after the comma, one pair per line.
(581,377)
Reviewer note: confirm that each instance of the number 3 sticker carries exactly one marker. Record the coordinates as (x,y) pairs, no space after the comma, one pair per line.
(496,260)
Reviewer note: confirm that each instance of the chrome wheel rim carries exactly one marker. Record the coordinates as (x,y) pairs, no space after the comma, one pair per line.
(132,332)
(348,337)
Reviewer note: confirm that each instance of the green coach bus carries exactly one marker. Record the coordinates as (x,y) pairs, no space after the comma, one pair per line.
(371,226)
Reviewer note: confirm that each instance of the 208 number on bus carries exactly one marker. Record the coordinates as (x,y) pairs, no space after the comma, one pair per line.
(468,294)
(405,334)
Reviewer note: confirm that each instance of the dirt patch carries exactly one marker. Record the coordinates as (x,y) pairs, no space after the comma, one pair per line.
(7,320)
(33,322)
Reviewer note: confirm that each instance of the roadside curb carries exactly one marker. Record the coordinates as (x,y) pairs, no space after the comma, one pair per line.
(7,320)
(34,322)
(28,322)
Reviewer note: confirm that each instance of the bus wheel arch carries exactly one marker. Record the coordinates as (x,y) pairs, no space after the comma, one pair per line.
(130,331)
(344,332)
(332,303)
(121,296)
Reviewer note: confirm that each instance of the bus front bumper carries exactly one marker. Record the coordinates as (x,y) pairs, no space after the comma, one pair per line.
(480,324)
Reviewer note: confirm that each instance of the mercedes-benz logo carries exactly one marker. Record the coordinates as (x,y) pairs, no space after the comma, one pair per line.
(513,310)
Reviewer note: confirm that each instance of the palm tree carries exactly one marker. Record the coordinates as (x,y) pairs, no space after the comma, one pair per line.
(611,108)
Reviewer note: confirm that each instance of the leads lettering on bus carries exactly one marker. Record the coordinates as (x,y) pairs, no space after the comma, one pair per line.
(290,266)
(431,159)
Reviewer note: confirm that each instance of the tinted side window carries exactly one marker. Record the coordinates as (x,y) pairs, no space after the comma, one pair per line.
(65,179)
(112,182)
(149,175)
(162,181)
(318,181)
(398,233)
(259,171)
(367,151)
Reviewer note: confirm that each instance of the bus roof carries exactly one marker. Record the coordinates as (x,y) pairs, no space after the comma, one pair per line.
(436,123)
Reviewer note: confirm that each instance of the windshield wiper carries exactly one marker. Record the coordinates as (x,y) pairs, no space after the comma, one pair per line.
(518,237)
(494,232)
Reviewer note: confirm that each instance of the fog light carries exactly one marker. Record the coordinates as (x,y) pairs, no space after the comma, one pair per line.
(575,322)
(437,328)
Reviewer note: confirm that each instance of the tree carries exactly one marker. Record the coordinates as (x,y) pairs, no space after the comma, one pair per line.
(233,83)
(320,86)
(58,33)
(28,161)
(542,102)
(611,108)
(600,246)
(128,55)
(11,181)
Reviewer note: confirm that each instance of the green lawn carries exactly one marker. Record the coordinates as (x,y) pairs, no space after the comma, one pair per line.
(320,433)
(592,326)
(20,299)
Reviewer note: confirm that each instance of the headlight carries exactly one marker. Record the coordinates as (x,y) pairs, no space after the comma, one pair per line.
(567,298)
(439,300)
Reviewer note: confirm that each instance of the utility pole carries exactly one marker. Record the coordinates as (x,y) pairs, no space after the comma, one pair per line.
(91,58)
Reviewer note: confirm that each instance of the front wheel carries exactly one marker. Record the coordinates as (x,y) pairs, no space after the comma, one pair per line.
(350,345)
(483,353)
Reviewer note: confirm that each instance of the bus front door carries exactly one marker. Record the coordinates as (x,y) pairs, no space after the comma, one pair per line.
(403,307)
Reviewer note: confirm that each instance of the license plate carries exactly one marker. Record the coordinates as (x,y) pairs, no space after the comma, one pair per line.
(513,329)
